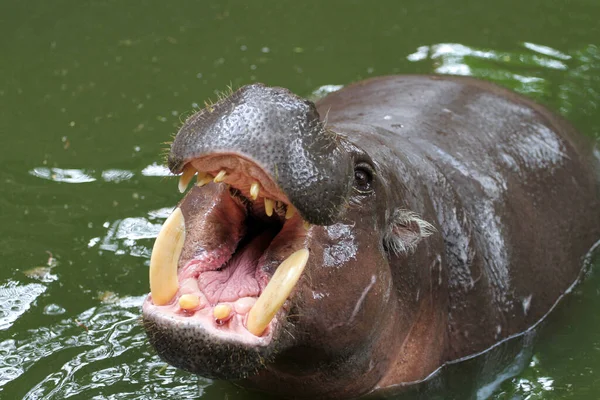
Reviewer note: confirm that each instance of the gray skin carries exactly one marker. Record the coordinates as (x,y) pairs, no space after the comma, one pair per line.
(512,190)
(284,135)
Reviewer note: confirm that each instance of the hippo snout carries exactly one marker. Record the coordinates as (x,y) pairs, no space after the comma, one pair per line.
(281,134)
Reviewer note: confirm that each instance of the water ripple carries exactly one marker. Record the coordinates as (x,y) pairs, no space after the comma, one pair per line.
(15,299)
(91,353)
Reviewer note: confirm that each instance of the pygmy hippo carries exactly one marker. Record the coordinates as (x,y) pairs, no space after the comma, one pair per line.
(332,250)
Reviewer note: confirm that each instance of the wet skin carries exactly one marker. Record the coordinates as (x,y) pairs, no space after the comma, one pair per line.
(512,193)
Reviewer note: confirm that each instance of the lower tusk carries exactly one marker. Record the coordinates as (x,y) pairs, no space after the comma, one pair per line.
(277,291)
(184,179)
(165,256)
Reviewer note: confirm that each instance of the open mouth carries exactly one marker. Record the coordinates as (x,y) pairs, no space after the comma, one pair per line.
(229,257)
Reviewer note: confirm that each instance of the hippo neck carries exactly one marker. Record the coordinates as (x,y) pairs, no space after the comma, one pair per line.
(421,301)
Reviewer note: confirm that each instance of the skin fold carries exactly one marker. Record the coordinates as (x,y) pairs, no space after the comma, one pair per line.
(447,214)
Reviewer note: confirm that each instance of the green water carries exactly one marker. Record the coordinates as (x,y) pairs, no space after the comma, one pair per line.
(90,91)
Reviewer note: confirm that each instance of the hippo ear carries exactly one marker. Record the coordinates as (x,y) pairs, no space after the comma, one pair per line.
(405,231)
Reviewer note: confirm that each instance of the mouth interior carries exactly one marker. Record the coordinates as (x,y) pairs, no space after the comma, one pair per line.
(238,277)
(233,245)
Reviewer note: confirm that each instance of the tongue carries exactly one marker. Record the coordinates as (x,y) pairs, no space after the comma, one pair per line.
(237,278)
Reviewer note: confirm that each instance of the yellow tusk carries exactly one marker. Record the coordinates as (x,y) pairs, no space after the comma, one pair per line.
(165,256)
(277,291)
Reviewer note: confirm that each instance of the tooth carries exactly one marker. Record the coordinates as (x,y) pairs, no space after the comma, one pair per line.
(277,291)
(189,301)
(221,311)
(289,213)
(306,225)
(206,178)
(243,305)
(220,177)
(184,179)
(164,258)
(269,204)
(254,189)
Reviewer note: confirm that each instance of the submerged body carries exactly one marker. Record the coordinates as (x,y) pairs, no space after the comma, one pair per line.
(447,215)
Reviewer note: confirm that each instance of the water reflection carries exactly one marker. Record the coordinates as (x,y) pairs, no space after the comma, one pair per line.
(85,176)
(458,59)
(15,299)
(123,236)
(323,91)
(569,82)
(454,57)
(156,170)
(116,175)
(62,175)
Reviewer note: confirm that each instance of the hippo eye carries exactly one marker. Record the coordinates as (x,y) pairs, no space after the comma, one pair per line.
(363,178)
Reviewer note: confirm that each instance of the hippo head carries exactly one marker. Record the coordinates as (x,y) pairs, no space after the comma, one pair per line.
(274,270)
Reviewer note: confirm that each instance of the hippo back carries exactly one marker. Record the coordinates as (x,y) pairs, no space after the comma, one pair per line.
(512,189)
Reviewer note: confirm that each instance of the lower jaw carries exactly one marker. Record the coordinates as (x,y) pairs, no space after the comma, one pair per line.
(231,329)
(209,351)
